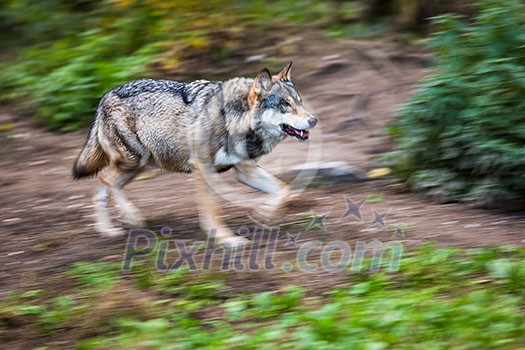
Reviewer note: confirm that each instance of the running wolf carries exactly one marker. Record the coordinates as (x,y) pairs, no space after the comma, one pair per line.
(203,127)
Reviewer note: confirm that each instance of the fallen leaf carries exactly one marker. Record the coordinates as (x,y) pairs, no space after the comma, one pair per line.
(7,126)
(146,176)
(379,172)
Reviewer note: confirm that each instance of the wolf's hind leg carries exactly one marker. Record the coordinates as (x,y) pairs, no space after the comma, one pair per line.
(114,178)
(102,216)
(126,157)
(129,213)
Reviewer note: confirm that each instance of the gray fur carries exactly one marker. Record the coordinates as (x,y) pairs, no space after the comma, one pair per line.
(208,125)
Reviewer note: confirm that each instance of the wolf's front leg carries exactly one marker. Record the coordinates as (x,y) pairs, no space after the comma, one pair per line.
(209,208)
(253,175)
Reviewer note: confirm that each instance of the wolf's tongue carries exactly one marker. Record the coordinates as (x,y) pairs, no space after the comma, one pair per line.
(301,133)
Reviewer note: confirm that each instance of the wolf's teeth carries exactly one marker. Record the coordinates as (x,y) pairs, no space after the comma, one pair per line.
(302,133)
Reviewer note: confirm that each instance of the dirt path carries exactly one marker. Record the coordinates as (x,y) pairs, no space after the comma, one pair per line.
(353,87)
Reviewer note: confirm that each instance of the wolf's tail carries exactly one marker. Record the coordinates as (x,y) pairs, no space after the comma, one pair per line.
(92,158)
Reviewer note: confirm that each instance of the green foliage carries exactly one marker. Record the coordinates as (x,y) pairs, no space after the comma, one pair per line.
(439,299)
(462,136)
(47,318)
(71,62)
(95,274)
(68,53)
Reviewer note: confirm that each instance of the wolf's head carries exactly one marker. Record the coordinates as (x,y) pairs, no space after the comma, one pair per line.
(277,106)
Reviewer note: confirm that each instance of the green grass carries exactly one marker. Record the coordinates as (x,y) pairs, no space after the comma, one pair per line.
(439,299)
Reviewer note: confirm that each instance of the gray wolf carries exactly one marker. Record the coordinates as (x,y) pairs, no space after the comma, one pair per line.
(203,127)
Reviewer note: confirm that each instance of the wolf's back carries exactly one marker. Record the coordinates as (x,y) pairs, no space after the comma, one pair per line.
(92,158)
(147,116)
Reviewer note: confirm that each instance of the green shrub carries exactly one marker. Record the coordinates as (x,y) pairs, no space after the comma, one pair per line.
(63,55)
(61,72)
(462,136)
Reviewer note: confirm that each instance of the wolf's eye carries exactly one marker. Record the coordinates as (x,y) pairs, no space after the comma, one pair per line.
(284,105)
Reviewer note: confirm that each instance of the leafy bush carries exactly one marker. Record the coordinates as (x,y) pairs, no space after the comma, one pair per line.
(462,136)
(62,72)
(68,53)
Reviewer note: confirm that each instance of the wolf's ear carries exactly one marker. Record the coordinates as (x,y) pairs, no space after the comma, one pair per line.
(263,82)
(285,73)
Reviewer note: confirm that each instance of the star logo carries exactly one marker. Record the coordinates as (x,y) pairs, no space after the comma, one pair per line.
(317,221)
(379,219)
(292,239)
(353,208)
(399,232)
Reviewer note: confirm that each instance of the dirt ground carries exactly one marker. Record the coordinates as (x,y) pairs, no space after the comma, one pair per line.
(354,89)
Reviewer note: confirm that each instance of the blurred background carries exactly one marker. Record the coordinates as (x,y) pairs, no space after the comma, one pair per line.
(421,101)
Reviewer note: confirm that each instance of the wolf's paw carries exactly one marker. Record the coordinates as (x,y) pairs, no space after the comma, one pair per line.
(268,211)
(134,222)
(233,242)
(265,214)
(133,218)
(112,232)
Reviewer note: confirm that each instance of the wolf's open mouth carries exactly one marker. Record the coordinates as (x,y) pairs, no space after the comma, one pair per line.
(298,134)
